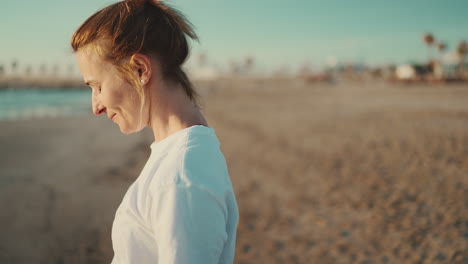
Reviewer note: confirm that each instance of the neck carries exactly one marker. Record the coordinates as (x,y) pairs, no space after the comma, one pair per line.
(172,110)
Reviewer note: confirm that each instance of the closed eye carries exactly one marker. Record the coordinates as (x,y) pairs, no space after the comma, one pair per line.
(91,84)
(94,89)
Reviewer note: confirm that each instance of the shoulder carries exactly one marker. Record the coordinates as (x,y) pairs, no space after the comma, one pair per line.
(195,158)
(203,163)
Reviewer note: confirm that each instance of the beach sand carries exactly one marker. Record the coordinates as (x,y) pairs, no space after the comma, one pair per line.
(323,173)
(61,182)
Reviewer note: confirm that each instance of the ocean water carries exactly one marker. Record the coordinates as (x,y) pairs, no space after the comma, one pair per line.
(18,104)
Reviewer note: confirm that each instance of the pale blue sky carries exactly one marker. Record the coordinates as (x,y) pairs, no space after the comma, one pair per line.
(275,32)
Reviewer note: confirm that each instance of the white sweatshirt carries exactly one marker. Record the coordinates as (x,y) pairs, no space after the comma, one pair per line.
(182,208)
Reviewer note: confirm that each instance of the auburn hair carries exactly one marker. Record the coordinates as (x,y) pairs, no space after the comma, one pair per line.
(149,27)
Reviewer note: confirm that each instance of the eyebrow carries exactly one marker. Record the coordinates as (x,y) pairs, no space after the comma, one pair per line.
(89,82)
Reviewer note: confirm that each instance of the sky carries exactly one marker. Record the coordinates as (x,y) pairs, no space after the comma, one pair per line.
(277,34)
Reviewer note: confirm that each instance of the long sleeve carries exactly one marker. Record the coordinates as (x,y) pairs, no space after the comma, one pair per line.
(189,224)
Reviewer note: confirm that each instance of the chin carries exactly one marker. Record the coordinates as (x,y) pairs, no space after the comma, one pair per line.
(128,130)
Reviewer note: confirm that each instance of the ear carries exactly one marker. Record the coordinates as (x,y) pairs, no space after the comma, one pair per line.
(143,67)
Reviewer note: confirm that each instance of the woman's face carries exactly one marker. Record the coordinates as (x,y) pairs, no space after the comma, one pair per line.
(111,94)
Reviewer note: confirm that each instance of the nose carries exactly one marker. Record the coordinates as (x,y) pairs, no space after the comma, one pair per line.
(98,108)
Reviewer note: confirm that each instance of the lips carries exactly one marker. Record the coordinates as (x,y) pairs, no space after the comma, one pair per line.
(112,117)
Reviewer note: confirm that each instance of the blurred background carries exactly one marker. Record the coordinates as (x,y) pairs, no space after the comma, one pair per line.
(344,125)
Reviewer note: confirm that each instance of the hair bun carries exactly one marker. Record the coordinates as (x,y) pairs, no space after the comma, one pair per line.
(140,3)
(137,3)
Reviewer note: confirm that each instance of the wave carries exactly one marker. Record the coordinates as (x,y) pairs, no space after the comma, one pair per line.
(33,104)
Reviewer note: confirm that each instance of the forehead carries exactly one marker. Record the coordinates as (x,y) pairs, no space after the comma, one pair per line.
(87,57)
(90,63)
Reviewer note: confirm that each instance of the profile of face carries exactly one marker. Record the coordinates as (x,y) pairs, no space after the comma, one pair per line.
(111,93)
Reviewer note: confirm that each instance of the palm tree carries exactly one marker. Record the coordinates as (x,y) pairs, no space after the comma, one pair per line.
(248,64)
(55,70)
(14,66)
(441,46)
(28,70)
(43,69)
(462,49)
(234,67)
(429,40)
(202,59)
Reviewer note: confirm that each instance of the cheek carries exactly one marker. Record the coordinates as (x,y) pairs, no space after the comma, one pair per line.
(133,99)
(113,98)
(129,101)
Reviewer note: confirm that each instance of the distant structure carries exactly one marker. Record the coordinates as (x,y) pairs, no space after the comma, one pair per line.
(462,49)
(203,71)
(28,76)
(439,69)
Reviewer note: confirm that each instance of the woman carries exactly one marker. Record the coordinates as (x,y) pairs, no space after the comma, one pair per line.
(182,207)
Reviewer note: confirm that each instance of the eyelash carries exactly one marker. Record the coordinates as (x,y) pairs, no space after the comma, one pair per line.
(98,89)
(95,88)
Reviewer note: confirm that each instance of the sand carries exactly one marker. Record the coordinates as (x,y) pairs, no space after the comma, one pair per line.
(349,173)
(61,181)
(323,173)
